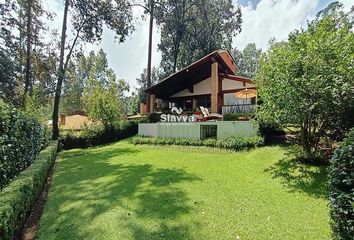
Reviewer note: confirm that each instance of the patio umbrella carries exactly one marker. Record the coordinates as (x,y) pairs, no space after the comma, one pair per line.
(246,93)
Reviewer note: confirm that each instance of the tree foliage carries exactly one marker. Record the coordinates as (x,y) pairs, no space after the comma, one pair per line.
(25,57)
(309,80)
(247,60)
(103,95)
(190,29)
(88,20)
(341,184)
(156,76)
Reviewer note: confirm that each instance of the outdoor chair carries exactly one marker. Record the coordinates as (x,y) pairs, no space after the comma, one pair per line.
(208,116)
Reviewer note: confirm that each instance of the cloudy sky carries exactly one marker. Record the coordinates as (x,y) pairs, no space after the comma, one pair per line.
(262,20)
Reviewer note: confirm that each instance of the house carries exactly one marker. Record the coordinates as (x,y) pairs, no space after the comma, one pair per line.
(210,82)
(76,121)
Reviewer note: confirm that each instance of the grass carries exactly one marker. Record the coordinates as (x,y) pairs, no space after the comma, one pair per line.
(122,191)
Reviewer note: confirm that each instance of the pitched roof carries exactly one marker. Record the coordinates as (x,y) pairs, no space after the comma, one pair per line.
(194,73)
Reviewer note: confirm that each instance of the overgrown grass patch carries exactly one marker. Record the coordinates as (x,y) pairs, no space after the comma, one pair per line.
(126,191)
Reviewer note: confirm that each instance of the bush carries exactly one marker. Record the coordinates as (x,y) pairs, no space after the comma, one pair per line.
(236,116)
(269,130)
(18,197)
(97,134)
(21,139)
(341,183)
(154,117)
(234,143)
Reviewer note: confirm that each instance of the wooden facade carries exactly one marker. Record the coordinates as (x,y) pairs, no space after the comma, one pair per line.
(210,82)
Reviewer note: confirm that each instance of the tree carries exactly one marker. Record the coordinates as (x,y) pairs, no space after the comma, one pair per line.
(191,29)
(8,81)
(88,20)
(142,82)
(131,104)
(21,26)
(79,72)
(102,103)
(309,81)
(73,89)
(103,96)
(247,61)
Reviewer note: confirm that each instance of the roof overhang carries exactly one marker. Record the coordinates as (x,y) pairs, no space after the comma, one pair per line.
(194,73)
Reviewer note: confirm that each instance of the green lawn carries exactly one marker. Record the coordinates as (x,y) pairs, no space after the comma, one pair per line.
(122,191)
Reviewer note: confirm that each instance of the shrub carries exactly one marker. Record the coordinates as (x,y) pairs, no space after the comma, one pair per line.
(234,143)
(236,116)
(21,139)
(154,117)
(341,183)
(97,134)
(18,197)
(269,130)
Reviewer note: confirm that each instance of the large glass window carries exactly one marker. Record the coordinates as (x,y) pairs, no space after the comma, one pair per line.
(203,101)
(230,99)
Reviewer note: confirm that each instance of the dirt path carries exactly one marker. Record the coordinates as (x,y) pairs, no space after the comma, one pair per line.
(31,226)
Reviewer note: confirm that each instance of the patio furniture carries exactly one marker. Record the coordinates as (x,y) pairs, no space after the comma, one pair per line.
(246,93)
(208,116)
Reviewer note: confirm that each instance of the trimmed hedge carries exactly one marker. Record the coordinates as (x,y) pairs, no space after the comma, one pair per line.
(237,116)
(21,139)
(94,135)
(234,143)
(341,183)
(18,197)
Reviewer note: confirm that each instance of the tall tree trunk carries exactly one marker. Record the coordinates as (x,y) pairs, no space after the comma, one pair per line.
(175,56)
(28,49)
(61,74)
(151,24)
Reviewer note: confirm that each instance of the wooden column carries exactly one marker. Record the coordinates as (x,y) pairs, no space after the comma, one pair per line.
(220,96)
(152,103)
(194,104)
(214,87)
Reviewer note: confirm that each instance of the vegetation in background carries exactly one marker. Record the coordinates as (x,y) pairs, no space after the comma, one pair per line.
(233,143)
(341,183)
(26,59)
(21,139)
(193,29)
(309,80)
(156,76)
(127,192)
(98,134)
(237,116)
(88,21)
(247,60)
(18,197)
(103,95)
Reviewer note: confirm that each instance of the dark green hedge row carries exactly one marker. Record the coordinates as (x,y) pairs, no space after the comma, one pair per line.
(94,135)
(237,116)
(235,143)
(341,183)
(21,139)
(18,197)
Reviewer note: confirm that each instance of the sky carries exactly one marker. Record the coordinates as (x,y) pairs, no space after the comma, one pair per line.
(262,20)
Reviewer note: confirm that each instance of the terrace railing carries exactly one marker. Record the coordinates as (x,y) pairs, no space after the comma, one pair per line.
(244,108)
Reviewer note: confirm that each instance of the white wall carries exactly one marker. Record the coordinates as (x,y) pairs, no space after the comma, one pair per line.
(230,84)
(225,129)
(147,129)
(204,87)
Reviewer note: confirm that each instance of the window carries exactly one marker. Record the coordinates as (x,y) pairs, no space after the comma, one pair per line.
(188,104)
(204,101)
